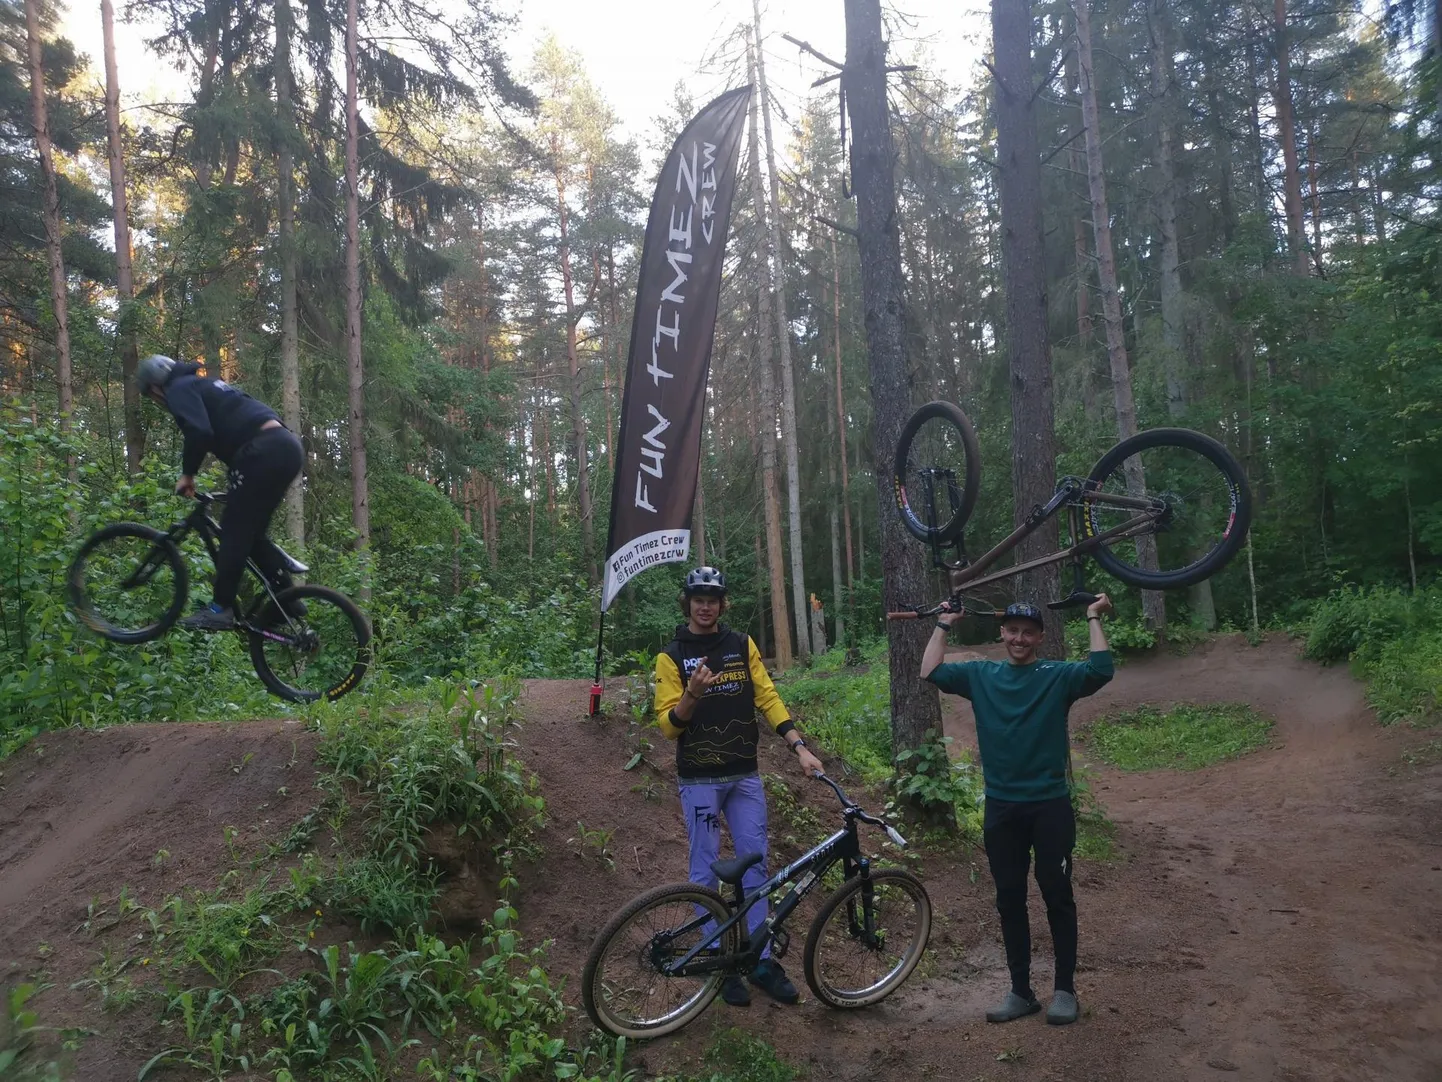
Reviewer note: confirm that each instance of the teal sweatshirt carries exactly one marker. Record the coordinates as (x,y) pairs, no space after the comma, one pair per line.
(1021,718)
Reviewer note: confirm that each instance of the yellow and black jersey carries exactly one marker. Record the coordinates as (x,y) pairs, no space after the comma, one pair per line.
(720,738)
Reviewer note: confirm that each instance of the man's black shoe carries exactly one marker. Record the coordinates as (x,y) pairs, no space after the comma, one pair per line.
(735,992)
(771,979)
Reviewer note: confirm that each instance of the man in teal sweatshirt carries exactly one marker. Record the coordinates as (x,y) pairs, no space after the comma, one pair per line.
(1021,707)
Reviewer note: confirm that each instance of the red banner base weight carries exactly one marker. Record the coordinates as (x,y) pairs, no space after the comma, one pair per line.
(595,707)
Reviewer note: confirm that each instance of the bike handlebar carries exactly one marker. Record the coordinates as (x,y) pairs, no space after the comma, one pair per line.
(943,607)
(852,808)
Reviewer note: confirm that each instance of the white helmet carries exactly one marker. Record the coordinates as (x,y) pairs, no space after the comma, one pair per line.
(153,372)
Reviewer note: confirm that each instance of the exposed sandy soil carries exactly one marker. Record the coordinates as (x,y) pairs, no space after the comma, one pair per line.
(1273,918)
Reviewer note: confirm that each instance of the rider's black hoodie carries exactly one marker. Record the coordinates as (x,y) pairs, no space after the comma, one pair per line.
(719,740)
(215,417)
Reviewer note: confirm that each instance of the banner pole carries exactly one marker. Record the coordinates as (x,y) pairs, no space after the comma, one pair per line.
(595,706)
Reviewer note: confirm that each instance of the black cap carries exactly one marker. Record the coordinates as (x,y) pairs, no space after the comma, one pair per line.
(1024,610)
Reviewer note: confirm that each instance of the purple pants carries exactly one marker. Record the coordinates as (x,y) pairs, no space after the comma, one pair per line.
(742,804)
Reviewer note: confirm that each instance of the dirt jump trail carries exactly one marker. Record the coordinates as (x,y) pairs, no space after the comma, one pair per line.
(1273,918)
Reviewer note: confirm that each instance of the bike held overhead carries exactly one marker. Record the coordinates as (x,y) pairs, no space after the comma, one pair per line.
(262,457)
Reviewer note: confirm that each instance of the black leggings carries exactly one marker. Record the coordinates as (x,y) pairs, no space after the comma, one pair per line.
(260,473)
(1012,831)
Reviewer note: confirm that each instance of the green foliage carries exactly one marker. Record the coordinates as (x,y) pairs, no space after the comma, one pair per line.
(848,711)
(26,1052)
(738,1056)
(929,778)
(1393,639)
(1186,736)
(53,671)
(1095,833)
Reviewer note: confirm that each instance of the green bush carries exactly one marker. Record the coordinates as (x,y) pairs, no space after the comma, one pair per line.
(1393,639)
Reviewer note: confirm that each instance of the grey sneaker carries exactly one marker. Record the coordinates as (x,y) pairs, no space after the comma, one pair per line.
(1063,1009)
(1012,1007)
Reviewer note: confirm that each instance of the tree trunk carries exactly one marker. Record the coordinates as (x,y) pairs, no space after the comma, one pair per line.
(1153,601)
(1033,432)
(124,280)
(841,445)
(915,709)
(289,331)
(766,414)
(799,605)
(360,489)
(1316,193)
(760,597)
(59,298)
(1286,124)
(1166,203)
(837,588)
(698,517)
(1091,376)
(1204,610)
(573,360)
(615,345)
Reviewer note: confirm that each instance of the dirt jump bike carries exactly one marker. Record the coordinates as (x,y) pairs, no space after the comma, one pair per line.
(1161,510)
(661,960)
(129,583)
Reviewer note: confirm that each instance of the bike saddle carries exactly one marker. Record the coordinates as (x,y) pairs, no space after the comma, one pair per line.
(1074,600)
(731,871)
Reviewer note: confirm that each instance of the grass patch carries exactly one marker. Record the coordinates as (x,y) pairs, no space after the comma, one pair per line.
(737,1056)
(1186,736)
(1428,754)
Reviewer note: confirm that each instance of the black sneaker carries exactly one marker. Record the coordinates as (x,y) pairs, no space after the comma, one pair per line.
(771,979)
(735,992)
(209,619)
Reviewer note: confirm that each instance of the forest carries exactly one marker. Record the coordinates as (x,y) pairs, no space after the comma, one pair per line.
(419,243)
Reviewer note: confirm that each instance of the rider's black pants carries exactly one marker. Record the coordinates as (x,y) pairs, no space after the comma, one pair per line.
(260,473)
(1012,830)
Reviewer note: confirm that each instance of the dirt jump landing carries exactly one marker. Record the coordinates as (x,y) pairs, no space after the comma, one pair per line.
(1272,919)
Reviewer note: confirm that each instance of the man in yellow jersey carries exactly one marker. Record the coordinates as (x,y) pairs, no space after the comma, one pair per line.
(709,685)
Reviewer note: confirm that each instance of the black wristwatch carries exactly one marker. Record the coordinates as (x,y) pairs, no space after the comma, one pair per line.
(800,743)
(1098,619)
(944,627)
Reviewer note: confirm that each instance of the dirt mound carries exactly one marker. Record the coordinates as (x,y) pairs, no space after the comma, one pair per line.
(85,813)
(1271,919)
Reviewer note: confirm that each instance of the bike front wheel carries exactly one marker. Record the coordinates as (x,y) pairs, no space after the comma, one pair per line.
(128,583)
(623,988)
(320,652)
(1200,511)
(937,472)
(867,938)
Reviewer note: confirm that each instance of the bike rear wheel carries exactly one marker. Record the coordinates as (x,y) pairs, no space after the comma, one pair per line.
(867,938)
(937,472)
(1206,508)
(321,655)
(128,583)
(622,986)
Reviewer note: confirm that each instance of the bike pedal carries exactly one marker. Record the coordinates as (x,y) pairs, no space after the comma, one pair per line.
(1073,600)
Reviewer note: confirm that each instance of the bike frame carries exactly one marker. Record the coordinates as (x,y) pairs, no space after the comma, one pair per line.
(200,522)
(1073,493)
(844,846)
